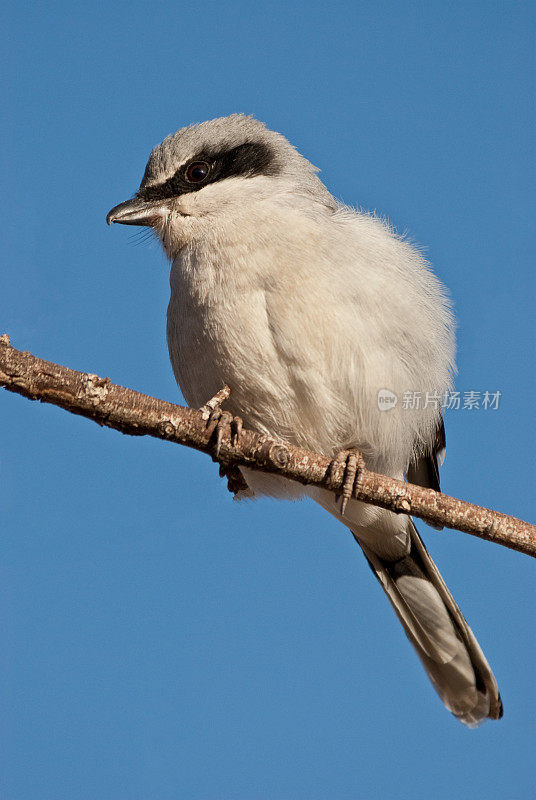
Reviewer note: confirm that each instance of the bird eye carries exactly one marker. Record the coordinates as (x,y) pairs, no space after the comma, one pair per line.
(197,171)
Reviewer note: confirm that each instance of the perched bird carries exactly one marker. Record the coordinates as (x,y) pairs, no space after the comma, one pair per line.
(311,312)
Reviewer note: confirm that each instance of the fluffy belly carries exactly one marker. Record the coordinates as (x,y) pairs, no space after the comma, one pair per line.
(314,387)
(212,347)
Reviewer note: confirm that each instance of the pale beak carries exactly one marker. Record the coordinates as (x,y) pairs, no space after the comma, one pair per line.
(136,212)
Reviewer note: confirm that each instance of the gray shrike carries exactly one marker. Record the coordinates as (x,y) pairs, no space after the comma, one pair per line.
(307,310)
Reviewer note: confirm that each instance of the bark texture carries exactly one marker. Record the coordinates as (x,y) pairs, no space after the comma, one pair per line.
(141,415)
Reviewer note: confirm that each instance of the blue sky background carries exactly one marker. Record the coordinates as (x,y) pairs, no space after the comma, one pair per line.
(160,641)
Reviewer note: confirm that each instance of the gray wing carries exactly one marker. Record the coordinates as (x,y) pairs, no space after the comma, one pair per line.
(425,471)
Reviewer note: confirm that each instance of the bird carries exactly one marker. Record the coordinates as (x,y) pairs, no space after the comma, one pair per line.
(310,312)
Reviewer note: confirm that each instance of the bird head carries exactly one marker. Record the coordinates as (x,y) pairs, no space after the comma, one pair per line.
(212,168)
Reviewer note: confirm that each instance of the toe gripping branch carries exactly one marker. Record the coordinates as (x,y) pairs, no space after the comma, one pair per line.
(353,466)
(217,420)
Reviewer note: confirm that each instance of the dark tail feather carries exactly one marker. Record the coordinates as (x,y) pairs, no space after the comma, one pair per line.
(438,632)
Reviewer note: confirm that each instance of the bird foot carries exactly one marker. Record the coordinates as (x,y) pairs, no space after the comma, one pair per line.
(236,482)
(353,464)
(217,420)
(217,423)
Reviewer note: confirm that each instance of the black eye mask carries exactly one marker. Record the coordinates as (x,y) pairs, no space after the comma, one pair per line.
(245,160)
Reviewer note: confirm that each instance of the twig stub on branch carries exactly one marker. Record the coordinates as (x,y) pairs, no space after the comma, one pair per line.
(141,415)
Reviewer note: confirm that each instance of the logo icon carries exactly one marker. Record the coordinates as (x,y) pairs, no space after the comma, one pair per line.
(386,399)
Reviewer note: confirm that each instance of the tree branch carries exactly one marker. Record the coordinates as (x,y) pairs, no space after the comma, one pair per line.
(140,415)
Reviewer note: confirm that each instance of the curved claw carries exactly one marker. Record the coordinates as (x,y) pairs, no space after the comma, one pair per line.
(353,463)
(213,420)
(216,420)
(225,418)
(236,430)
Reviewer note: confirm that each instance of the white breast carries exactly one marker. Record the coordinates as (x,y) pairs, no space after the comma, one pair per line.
(306,317)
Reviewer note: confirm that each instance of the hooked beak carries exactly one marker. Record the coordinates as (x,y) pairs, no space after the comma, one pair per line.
(136,212)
